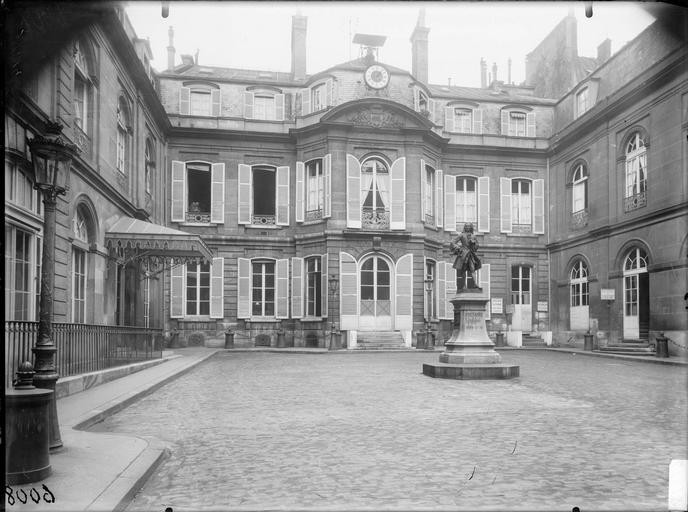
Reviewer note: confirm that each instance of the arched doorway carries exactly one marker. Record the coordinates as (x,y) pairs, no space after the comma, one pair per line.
(376,294)
(636,320)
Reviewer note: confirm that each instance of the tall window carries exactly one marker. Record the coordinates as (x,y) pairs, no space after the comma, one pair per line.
(314,286)
(264,190)
(19,189)
(580,188)
(517,124)
(318,97)
(198,289)
(579,284)
(375,194)
(463,120)
(79,272)
(314,189)
(200,102)
(429,199)
(198,192)
(19,282)
(123,123)
(582,102)
(263,288)
(636,173)
(264,107)
(520,285)
(466,201)
(81,90)
(521,201)
(149,163)
(430,291)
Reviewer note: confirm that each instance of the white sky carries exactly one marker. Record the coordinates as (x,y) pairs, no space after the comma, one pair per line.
(257,35)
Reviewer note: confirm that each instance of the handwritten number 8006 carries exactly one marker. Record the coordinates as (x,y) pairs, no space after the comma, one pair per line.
(33,495)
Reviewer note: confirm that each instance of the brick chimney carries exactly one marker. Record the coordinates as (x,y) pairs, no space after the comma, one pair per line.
(187,60)
(298,46)
(419,49)
(509,75)
(170,49)
(604,51)
(494,71)
(483,73)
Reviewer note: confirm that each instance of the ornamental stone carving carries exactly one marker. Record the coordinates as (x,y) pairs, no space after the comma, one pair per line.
(376,117)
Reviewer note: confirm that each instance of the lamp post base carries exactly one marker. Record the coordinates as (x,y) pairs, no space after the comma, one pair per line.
(46,378)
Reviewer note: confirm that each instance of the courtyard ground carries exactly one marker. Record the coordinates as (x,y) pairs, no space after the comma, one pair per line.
(369,431)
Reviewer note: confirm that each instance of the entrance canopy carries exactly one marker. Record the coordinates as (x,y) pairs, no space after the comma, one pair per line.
(139,239)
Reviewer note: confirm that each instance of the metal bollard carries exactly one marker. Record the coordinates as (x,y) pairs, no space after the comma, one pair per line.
(420,339)
(499,339)
(662,349)
(588,341)
(280,339)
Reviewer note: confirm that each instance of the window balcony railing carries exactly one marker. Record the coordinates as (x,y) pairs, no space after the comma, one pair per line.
(635,201)
(580,219)
(522,229)
(82,141)
(198,217)
(375,218)
(82,348)
(313,215)
(263,220)
(430,219)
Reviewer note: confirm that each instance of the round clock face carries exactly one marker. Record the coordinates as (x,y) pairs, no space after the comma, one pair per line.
(376,76)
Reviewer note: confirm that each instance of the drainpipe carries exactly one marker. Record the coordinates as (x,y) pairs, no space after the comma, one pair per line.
(549,259)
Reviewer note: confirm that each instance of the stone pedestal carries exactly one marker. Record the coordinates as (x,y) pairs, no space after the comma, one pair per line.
(469,353)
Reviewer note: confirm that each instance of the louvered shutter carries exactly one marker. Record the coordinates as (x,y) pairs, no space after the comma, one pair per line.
(282,289)
(450,289)
(329,92)
(297,286)
(505,204)
(348,292)
(505,122)
(327,186)
(217,194)
(530,124)
(324,283)
(244,191)
(217,288)
(440,289)
(248,105)
(279,107)
(484,275)
(283,196)
(215,102)
(353,192)
(177,280)
(439,198)
(416,99)
(478,121)
(184,101)
(178,191)
(450,203)
(244,288)
(484,204)
(423,186)
(404,293)
(539,207)
(305,102)
(448,119)
(398,194)
(300,192)
(432,107)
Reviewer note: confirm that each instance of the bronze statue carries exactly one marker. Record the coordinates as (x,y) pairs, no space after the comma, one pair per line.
(465,246)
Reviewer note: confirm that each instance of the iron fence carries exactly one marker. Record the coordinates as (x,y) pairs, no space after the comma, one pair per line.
(82,348)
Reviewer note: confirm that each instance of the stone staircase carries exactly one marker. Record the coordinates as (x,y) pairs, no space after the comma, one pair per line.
(379,340)
(532,340)
(630,348)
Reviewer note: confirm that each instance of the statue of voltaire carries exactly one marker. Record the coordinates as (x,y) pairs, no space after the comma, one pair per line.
(465,246)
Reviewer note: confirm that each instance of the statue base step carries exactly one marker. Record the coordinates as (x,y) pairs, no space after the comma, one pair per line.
(471,371)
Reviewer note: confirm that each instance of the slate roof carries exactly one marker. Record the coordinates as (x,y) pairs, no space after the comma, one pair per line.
(480,94)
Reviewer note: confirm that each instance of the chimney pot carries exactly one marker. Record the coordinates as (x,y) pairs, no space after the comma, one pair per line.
(299,26)
(170,48)
(419,49)
(509,75)
(483,73)
(494,72)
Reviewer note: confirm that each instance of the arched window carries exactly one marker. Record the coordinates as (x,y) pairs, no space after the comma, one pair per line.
(636,295)
(375,182)
(123,124)
(636,173)
(636,261)
(80,232)
(579,284)
(149,163)
(580,188)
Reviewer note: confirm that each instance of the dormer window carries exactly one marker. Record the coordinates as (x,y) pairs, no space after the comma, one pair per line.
(463,119)
(518,122)
(265,105)
(423,104)
(317,97)
(582,102)
(199,99)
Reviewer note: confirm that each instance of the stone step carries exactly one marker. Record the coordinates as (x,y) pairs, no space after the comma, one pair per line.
(618,349)
(380,340)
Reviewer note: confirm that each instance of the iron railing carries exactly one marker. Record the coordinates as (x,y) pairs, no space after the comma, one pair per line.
(82,348)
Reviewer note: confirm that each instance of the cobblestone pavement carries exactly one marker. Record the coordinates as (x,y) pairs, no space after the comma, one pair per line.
(369,431)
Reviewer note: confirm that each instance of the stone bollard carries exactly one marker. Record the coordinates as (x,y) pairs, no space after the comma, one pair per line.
(27,430)
(429,340)
(420,339)
(662,349)
(588,343)
(499,339)
(229,338)
(281,343)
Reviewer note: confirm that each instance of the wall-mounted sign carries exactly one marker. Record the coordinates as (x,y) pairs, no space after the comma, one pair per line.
(542,306)
(497,306)
(509,309)
(607,294)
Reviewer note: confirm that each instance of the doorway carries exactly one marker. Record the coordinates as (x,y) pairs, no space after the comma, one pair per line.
(375,294)
(521,298)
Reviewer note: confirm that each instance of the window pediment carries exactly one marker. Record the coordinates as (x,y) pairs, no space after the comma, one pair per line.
(264,90)
(200,84)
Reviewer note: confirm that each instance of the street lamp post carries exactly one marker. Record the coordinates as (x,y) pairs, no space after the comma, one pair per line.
(333,289)
(52,157)
(429,345)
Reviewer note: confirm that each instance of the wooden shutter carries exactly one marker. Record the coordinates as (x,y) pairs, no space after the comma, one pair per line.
(327,186)
(432,107)
(178,191)
(244,190)
(297,287)
(329,92)
(217,288)
(478,121)
(300,192)
(530,124)
(450,203)
(184,101)
(484,276)
(348,292)
(484,204)
(217,194)
(440,289)
(324,283)
(177,280)
(248,105)
(450,289)
(215,102)
(539,207)
(439,198)
(505,204)
(448,119)
(279,107)
(353,192)
(283,195)
(282,289)
(423,185)
(505,122)
(404,293)
(305,102)
(416,99)
(397,212)
(244,288)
